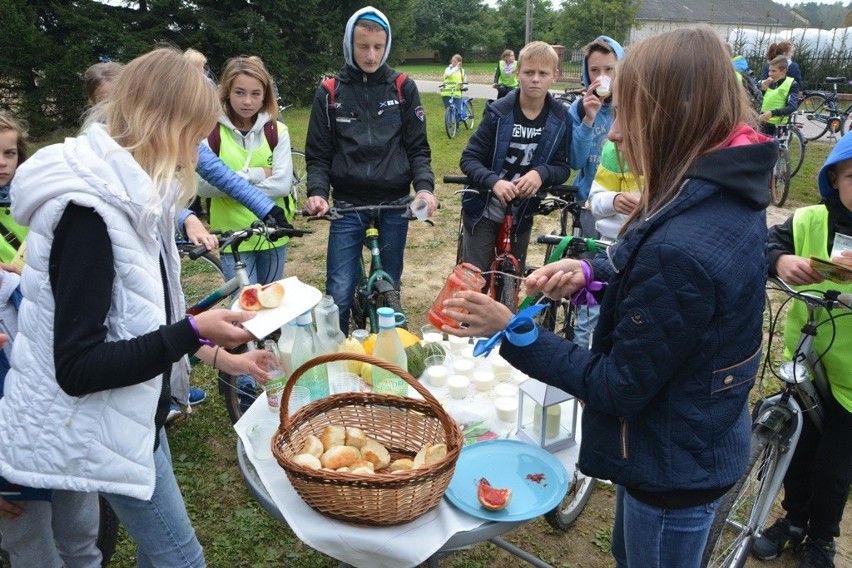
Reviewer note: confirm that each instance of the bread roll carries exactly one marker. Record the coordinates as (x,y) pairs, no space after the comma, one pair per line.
(402,464)
(360,464)
(355,437)
(435,453)
(340,470)
(373,451)
(333,436)
(313,446)
(249,299)
(420,458)
(271,295)
(308,461)
(340,456)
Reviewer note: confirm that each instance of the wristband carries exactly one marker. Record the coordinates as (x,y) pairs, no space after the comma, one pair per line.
(520,331)
(215,356)
(194,325)
(584,295)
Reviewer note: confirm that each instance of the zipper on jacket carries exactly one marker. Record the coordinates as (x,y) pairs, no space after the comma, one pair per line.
(622,437)
(670,201)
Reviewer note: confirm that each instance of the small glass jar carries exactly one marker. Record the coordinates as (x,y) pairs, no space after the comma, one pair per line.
(465,276)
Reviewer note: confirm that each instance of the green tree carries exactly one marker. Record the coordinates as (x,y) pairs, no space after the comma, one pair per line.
(450,26)
(580,21)
(512,17)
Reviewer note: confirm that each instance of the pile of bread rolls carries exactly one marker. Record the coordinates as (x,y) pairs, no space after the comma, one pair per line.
(349,450)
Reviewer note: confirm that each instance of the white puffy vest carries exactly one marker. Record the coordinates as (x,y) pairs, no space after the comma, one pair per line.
(102,441)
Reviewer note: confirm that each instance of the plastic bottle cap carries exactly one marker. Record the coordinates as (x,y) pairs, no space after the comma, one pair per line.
(305,319)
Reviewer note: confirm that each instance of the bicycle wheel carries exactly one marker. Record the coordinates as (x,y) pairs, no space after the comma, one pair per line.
(796,148)
(736,524)
(300,179)
(506,291)
(199,277)
(780,182)
(563,516)
(468,114)
(559,317)
(231,391)
(813,115)
(450,121)
(460,240)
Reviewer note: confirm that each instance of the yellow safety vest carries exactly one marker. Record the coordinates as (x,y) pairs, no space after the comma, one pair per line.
(777,98)
(810,237)
(227,213)
(507,79)
(453,84)
(12,235)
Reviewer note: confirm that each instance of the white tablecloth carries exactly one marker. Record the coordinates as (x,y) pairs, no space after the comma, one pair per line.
(380,547)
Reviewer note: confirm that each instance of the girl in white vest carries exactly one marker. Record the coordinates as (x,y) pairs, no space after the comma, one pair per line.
(100,324)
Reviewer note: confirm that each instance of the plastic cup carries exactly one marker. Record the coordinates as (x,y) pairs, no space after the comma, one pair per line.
(507,408)
(437,375)
(457,344)
(438,360)
(431,334)
(420,209)
(505,390)
(260,436)
(344,382)
(458,385)
(483,380)
(463,367)
(299,397)
(603,89)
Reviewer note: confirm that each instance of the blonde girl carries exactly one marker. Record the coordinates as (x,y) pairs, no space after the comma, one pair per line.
(100,333)
(248,105)
(13,152)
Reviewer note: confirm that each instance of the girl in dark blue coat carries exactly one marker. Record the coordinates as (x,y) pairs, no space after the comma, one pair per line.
(675,353)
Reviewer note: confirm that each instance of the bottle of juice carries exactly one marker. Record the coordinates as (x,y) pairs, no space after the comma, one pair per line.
(275,386)
(389,347)
(306,346)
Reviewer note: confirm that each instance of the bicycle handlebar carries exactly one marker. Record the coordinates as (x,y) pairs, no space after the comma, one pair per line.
(567,192)
(335,213)
(829,299)
(556,239)
(234,238)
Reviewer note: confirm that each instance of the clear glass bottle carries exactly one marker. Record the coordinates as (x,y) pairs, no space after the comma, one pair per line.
(389,347)
(285,345)
(306,346)
(275,385)
(465,276)
(327,316)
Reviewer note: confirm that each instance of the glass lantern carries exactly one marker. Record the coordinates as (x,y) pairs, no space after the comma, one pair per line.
(547,416)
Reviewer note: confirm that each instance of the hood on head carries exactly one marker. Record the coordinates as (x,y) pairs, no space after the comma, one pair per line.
(373,15)
(616,48)
(842,151)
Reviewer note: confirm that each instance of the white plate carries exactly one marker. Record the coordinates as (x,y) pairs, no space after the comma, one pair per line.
(298,298)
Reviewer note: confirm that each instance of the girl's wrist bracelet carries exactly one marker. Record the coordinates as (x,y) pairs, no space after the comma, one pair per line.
(201,339)
(215,356)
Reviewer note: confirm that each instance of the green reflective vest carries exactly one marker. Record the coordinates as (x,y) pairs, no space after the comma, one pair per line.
(777,98)
(227,213)
(453,84)
(509,79)
(810,237)
(12,235)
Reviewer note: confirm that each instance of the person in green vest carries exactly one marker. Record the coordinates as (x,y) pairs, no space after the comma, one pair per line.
(780,96)
(13,152)
(506,75)
(816,485)
(454,78)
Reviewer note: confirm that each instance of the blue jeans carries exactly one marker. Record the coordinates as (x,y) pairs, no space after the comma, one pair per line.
(345,242)
(263,266)
(160,527)
(587,321)
(70,520)
(645,536)
(458,102)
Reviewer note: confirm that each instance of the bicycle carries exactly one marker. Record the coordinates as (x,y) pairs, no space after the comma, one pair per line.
(454,116)
(568,97)
(791,155)
(776,427)
(300,167)
(228,384)
(821,112)
(375,288)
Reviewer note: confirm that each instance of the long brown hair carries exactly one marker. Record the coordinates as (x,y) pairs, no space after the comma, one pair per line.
(253,67)
(677,97)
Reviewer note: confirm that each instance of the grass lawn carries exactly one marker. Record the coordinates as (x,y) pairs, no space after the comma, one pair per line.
(236,532)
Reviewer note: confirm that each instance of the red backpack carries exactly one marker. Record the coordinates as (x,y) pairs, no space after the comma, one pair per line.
(270,131)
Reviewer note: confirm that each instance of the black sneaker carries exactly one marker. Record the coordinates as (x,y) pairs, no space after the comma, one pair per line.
(818,553)
(775,540)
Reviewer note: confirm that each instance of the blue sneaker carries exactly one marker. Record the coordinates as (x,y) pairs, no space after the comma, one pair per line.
(196,396)
(175,414)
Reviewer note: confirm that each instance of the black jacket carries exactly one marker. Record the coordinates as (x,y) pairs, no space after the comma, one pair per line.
(369,148)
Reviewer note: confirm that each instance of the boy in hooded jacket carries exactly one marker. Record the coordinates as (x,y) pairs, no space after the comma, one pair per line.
(366,145)
(816,484)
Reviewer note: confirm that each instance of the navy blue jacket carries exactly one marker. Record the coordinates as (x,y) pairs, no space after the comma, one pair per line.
(677,346)
(482,159)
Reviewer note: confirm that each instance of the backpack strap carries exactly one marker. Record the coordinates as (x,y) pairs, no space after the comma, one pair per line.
(214,139)
(330,85)
(270,131)
(400,79)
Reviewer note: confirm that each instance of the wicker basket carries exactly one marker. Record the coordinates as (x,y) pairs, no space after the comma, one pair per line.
(403,425)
